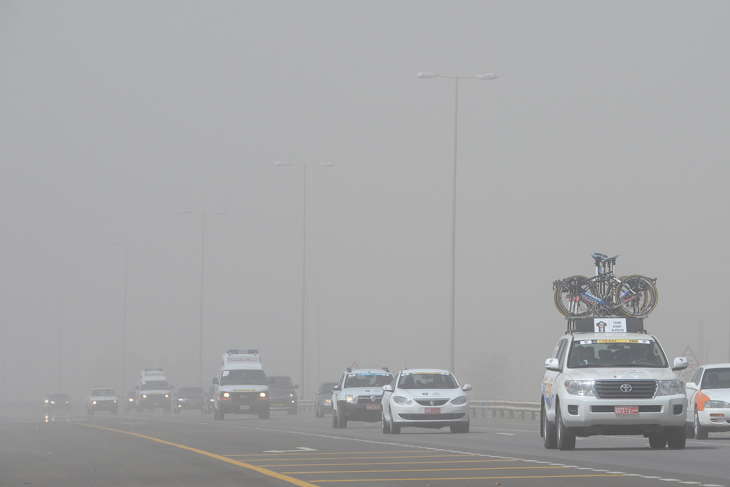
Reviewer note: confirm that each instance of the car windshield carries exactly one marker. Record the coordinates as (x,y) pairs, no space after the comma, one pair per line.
(155,385)
(102,392)
(716,379)
(280,383)
(616,353)
(368,380)
(58,397)
(190,391)
(243,377)
(326,388)
(427,380)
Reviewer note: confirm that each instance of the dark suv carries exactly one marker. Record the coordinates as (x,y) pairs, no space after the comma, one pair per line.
(323,399)
(282,394)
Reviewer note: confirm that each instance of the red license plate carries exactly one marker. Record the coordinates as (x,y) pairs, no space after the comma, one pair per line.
(626,409)
(373,406)
(432,410)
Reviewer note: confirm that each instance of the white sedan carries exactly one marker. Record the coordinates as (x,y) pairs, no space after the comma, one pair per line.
(425,398)
(708,400)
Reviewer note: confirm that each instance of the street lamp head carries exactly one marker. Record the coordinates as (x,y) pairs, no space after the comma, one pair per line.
(486,76)
(427,75)
(326,164)
(279,163)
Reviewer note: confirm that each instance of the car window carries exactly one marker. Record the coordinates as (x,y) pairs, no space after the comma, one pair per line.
(561,351)
(367,380)
(616,353)
(280,382)
(427,380)
(151,385)
(696,377)
(716,379)
(243,377)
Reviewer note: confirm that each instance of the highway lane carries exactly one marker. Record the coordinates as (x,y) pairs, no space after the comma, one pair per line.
(193,449)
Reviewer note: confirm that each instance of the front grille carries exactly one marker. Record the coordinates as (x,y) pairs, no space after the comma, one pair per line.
(610,409)
(243,396)
(625,389)
(432,402)
(431,417)
(369,398)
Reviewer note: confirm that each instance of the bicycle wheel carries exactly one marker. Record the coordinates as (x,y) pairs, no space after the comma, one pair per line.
(636,295)
(574,296)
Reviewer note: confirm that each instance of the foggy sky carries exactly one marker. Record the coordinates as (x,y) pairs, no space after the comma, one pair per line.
(606,131)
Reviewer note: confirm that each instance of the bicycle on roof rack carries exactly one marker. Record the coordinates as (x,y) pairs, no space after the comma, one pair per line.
(605,293)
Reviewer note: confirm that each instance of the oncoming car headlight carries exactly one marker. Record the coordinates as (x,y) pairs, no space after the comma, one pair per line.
(351,398)
(717,404)
(167,396)
(226,395)
(460,400)
(262,395)
(579,387)
(670,387)
(402,401)
(144,396)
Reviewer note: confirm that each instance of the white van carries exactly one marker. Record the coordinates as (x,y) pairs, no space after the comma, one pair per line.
(152,391)
(240,386)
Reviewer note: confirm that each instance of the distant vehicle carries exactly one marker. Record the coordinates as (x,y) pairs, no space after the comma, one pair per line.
(323,399)
(357,396)
(240,386)
(102,399)
(152,391)
(190,398)
(282,393)
(708,401)
(426,398)
(57,400)
(129,401)
(210,400)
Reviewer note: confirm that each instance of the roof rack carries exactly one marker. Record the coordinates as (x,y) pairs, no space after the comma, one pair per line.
(600,324)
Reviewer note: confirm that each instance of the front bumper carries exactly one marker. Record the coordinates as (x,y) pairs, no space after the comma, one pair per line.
(102,405)
(426,416)
(282,403)
(325,406)
(369,411)
(154,400)
(715,419)
(243,405)
(593,416)
(190,404)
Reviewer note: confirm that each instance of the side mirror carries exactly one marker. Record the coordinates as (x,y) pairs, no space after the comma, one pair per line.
(467,387)
(553,364)
(691,385)
(215,380)
(335,388)
(387,388)
(680,363)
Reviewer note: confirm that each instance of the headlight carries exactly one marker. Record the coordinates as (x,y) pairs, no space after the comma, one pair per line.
(328,401)
(402,401)
(291,394)
(167,395)
(93,402)
(46,400)
(460,400)
(717,404)
(226,395)
(579,387)
(131,399)
(115,401)
(670,387)
(262,395)
(351,398)
(144,396)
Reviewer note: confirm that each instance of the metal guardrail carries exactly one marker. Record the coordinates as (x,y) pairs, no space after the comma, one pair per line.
(479,409)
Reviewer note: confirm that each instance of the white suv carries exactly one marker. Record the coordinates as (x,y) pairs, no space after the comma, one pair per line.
(357,396)
(607,376)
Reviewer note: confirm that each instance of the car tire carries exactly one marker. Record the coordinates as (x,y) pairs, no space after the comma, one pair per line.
(460,428)
(115,411)
(317,413)
(384,424)
(676,437)
(394,428)
(341,422)
(177,410)
(89,411)
(265,414)
(292,412)
(334,419)
(549,432)
(700,431)
(565,437)
(218,415)
(689,430)
(657,441)
(138,408)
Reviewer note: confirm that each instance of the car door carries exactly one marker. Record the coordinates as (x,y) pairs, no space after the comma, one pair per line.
(551,377)
(384,403)
(693,387)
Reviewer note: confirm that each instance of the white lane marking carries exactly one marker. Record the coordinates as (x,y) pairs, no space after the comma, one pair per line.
(298,449)
(506,434)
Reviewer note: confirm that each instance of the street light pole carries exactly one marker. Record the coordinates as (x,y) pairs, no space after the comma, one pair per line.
(124,312)
(202,287)
(60,327)
(490,76)
(304,260)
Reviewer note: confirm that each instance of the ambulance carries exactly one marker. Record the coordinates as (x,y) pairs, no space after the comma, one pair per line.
(241,386)
(608,376)
(152,391)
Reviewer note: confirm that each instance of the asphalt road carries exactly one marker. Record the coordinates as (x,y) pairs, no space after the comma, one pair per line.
(191,449)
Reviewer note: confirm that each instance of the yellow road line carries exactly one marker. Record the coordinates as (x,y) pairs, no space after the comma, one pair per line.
(377,463)
(538,477)
(269,473)
(423,470)
(365,458)
(324,453)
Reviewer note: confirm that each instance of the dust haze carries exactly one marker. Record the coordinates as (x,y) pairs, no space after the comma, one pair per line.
(605,131)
